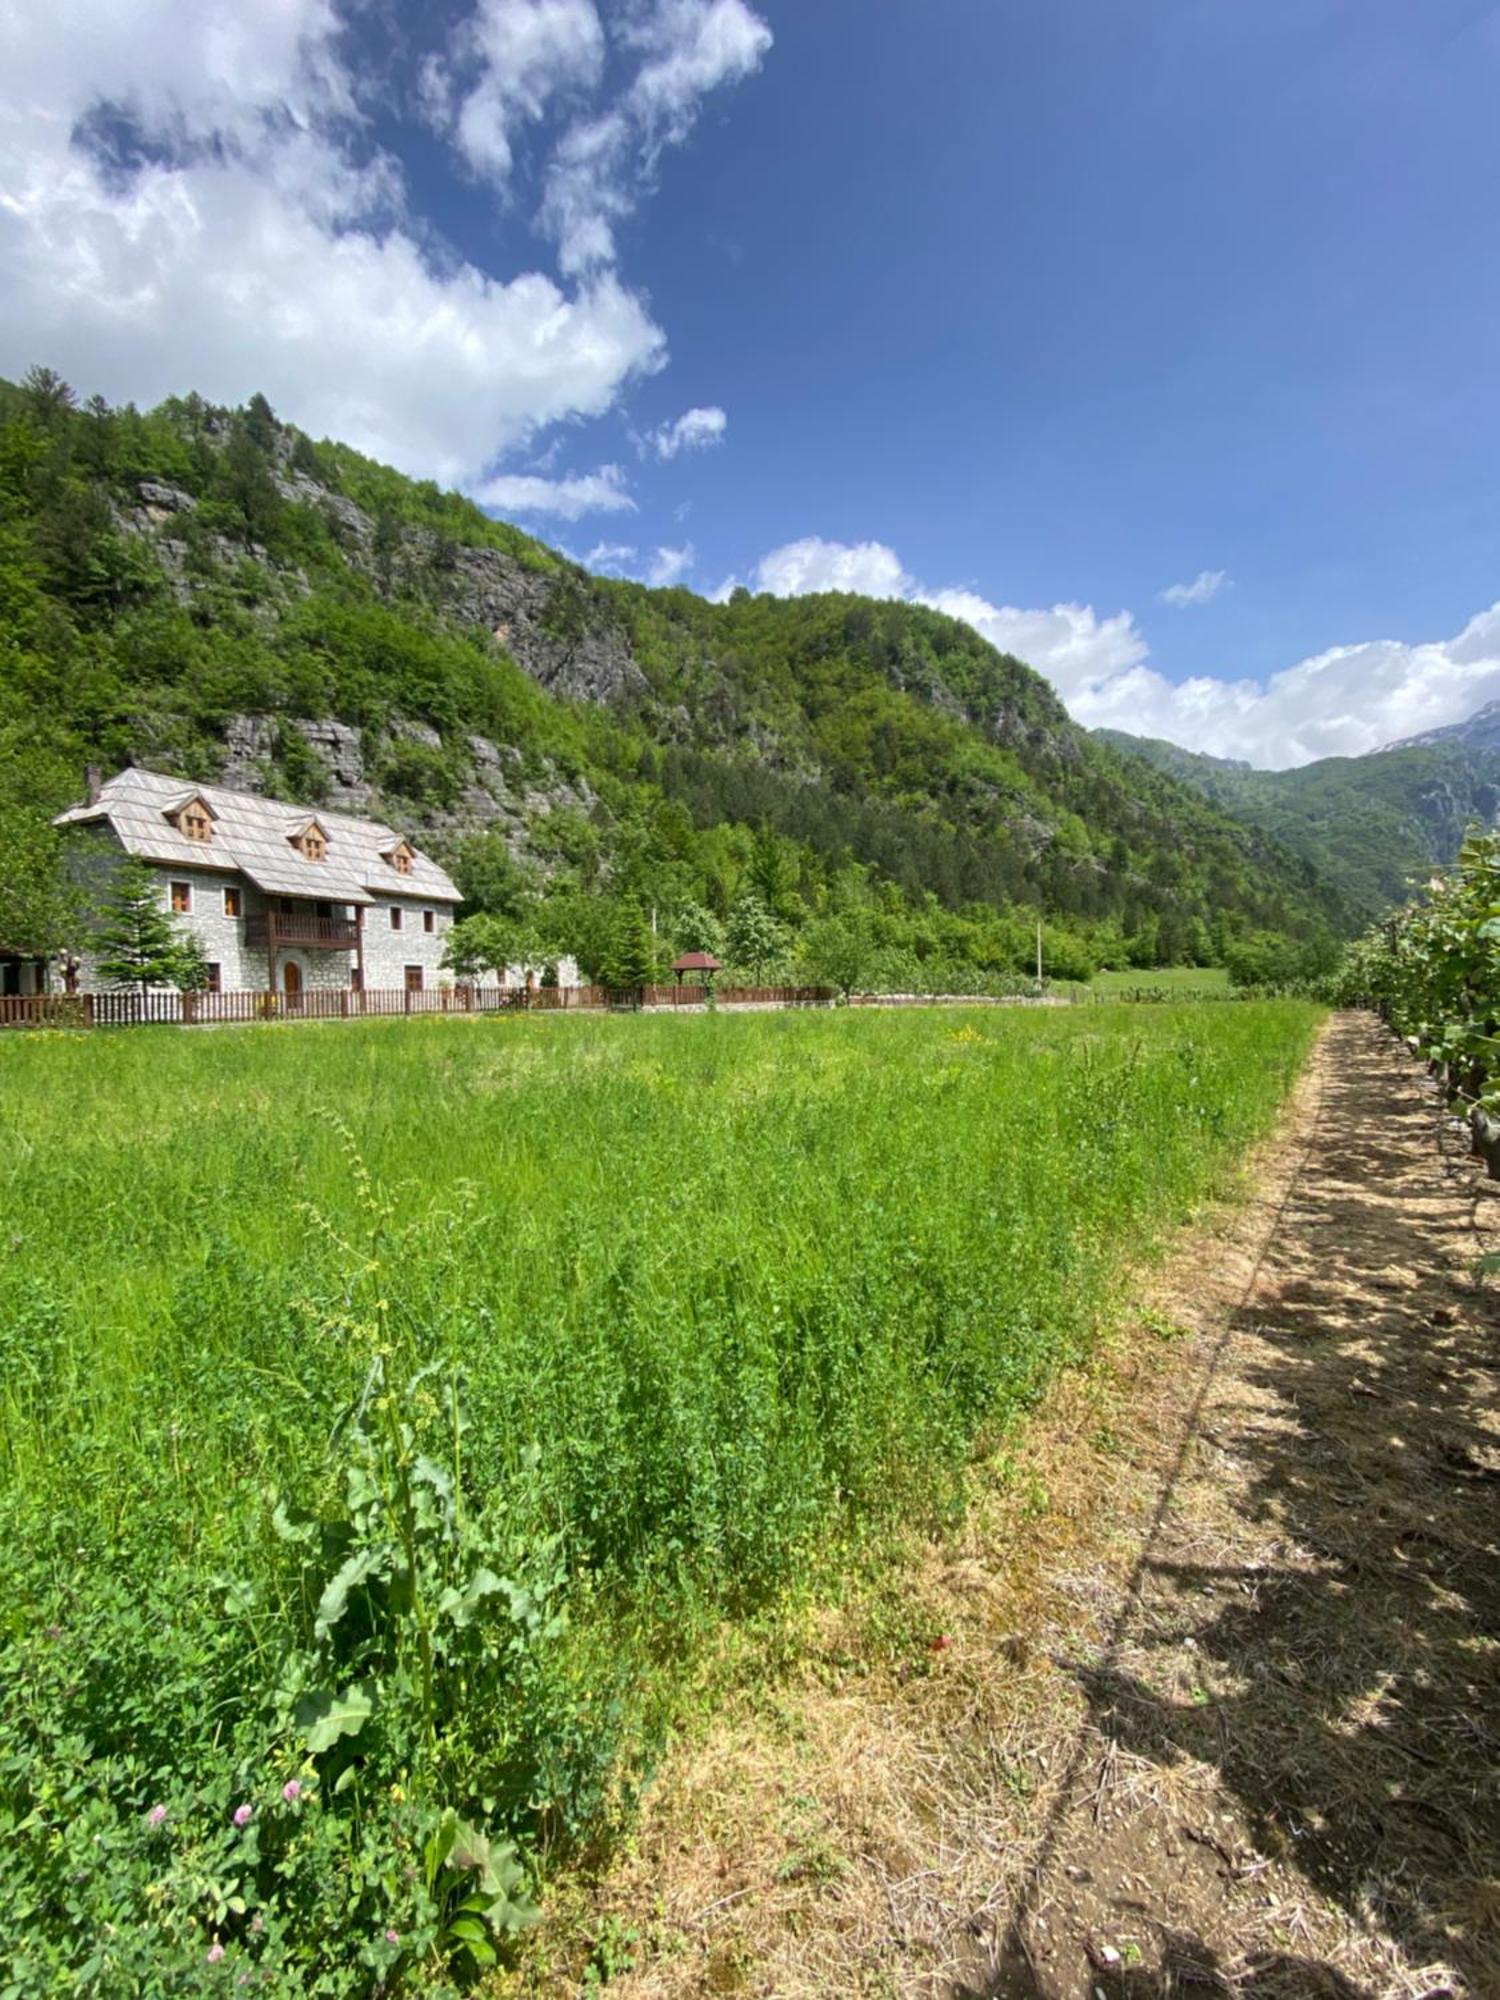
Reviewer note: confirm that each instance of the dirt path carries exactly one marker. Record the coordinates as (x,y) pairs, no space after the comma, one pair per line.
(1209,1699)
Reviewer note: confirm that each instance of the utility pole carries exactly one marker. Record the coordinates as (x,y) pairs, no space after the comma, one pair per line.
(1039,951)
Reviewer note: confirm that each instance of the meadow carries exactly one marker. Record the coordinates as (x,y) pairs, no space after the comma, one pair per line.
(391,1410)
(1180,982)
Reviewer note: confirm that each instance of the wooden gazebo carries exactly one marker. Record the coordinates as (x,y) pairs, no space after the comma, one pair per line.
(701,962)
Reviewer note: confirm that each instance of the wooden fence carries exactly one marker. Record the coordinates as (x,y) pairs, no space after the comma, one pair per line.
(138,1010)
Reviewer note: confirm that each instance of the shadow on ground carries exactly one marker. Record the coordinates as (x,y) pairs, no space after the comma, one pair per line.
(1347,1696)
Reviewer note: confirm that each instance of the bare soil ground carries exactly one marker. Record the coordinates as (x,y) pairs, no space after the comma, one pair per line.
(1205,1698)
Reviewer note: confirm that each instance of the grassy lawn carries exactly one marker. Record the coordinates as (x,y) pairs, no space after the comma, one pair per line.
(390,1409)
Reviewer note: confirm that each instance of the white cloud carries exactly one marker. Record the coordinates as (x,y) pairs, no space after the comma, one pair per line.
(694,430)
(1204,587)
(613,558)
(254,248)
(686,49)
(797,568)
(1339,703)
(1070,643)
(669,566)
(518,57)
(601,492)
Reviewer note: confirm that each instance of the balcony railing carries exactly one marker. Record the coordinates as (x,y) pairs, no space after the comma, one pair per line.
(299,927)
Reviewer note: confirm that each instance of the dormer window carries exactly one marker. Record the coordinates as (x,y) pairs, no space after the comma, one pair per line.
(401,858)
(311,842)
(195,820)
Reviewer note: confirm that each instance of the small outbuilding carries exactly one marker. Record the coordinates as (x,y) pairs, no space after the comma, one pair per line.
(702,962)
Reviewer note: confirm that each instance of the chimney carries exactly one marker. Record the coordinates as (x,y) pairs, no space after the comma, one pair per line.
(94,781)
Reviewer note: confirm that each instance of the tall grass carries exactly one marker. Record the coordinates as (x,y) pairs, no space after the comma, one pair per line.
(711,1291)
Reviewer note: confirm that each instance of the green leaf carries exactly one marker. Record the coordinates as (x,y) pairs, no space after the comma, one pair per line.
(335,1599)
(325,1717)
(289,1530)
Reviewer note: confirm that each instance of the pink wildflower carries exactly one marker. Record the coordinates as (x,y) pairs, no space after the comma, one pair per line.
(291,1791)
(215,1952)
(243,1815)
(156,1815)
(392,1937)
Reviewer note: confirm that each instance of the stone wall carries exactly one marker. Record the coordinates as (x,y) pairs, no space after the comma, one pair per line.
(388,952)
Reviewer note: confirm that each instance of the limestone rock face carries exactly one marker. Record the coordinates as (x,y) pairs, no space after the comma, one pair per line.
(499,794)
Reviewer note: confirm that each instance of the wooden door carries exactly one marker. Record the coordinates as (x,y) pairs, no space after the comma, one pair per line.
(291,977)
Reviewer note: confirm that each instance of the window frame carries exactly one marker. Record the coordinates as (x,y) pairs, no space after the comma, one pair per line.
(233,895)
(396,915)
(184,908)
(429,922)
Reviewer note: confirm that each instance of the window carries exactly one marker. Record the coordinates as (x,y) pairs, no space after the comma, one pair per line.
(395,918)
(182,898)
(312,842)
(196,821)
(429,921)
(233,903)
(400,858)
(215,976)
(414,979)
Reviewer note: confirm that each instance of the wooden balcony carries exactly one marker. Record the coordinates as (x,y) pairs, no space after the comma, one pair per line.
(278,928)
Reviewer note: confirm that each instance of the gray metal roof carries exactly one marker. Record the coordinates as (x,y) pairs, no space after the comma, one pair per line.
(254,836)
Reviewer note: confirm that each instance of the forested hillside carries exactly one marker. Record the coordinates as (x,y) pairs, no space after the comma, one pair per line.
(211,592)
(1368,825)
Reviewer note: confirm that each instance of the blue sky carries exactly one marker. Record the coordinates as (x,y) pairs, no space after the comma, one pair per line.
(1033,311)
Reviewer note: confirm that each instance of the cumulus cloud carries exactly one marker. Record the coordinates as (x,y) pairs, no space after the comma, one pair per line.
(1342,702)
(669,566)
(1204,587)
(683,50)
(517,57)
(796,568)
(1339,703)
(188,199)
(601,492)
(694,430)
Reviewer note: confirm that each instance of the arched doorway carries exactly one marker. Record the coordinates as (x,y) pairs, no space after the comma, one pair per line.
(291,980)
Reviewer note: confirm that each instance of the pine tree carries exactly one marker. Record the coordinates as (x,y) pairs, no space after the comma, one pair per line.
(138,944)
(631,960)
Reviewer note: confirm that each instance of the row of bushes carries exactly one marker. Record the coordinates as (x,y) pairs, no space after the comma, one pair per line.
(1433,972)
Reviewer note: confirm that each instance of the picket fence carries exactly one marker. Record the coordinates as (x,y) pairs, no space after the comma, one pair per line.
(138,1010)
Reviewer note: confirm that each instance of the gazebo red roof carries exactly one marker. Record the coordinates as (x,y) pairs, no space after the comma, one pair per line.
(697,961)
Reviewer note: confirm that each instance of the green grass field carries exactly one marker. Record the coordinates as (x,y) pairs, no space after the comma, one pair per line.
(389,1410)
(1183,982)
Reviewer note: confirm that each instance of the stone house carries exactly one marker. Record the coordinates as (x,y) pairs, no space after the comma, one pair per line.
(282,898)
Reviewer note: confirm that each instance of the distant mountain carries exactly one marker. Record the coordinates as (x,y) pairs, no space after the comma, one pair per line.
(1369,825)
(1480,732)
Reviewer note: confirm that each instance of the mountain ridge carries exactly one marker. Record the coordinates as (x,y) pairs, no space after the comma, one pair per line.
(194,587)
(1371,825)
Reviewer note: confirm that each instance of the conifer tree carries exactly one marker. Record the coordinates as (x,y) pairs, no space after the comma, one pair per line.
(631,960)
(139,945)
